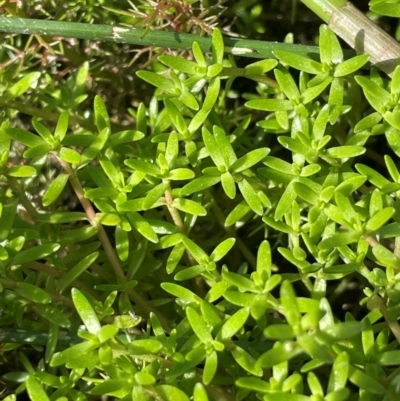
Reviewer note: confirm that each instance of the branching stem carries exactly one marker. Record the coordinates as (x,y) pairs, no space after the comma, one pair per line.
(108,249)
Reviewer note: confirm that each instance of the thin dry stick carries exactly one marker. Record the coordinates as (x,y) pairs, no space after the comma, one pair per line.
(108,249)
(176,218)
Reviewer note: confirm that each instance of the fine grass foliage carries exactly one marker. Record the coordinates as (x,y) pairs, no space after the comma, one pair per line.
(219,244)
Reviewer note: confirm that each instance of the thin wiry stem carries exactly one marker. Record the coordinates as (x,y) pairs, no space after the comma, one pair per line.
(108,249)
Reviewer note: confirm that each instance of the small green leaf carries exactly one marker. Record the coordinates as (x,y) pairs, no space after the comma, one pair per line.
(189,206)
(212,147)
(101,115)
(306,193)
(200,256)
(179,63)
(77,270)
(70,156)
(52,314)
(251,197)
(286,201)
(208,104)
(157,80)
(299,62)
(142,226)
(352,65)
(125,137)
(143,167)
(385,256)
(210,367)
(376,95)
(122,243)
(270,104)
(52,340)
(228,184)
(339,373)
(35,390)
(247,362)
(279,331)
(253,384)
(289,304)
(373,176)
(198,326)
(55,189)
(342,152)
(155,194)
(224,144)
(379,219)
(330,50)
(180,292)
(145,346)
(97,145)
(233,324)
(199,393)
(217,46)
(171,393)
(71,353)
(62,126)
(43,132)
(110,386)
(365,381)
(260,67)
(60,217)
(180,174)
(23,85)
(249,160)
(32,292)
(25,137)
(222,249)
(198,55)
(108,219)
(35,253)
(190,273)
(339,240)
(174,257)
(199,184)
(391,9)
(368,122)
(22,171)
(85,311)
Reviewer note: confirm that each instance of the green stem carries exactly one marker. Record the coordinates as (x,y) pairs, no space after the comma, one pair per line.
(172,40)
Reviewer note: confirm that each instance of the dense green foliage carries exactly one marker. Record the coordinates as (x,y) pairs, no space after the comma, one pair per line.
(233,236)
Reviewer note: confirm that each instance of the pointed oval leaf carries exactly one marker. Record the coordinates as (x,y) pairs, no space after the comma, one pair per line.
(54,190)
(85,311)
(198,326)
(32,292)
(233,324)
(35,390)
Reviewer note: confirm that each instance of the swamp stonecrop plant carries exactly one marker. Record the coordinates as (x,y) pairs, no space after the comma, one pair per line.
(200,254)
